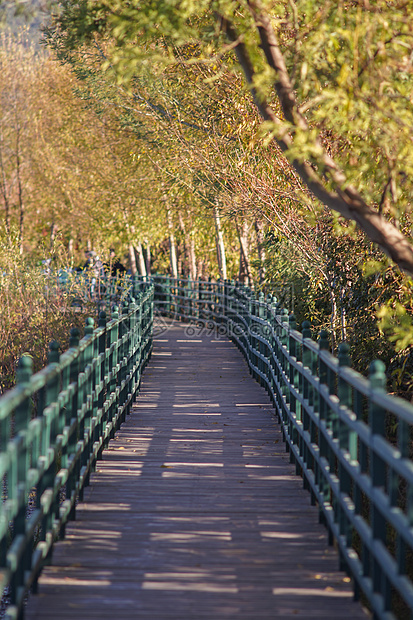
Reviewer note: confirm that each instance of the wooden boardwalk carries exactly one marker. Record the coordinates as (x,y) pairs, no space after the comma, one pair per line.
(194,511)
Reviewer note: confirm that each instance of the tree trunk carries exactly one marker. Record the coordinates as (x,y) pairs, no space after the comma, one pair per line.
(189,246)
(141,259)
(183,265)
(148,259)
(338,194)
(333,318)
(245,275)
(172,247)
(192,257)
(222,262)
(200,268)
(343,316)
(132,260)
(259,229)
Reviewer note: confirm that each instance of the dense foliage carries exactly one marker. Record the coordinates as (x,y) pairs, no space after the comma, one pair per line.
(34,310)
(343,119)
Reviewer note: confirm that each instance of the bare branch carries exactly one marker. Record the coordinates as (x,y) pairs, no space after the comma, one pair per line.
(345,199)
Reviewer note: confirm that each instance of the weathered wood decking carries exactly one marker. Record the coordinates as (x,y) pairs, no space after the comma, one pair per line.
(195,511)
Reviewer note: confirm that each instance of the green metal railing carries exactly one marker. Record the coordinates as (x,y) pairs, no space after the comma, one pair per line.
(54,425)
(339,429)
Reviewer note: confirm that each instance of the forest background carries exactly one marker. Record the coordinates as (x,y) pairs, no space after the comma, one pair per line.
(169,131)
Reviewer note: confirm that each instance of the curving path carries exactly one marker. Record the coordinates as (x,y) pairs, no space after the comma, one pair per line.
(195,512)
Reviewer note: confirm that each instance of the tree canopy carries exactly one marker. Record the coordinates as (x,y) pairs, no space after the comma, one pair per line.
(333,84)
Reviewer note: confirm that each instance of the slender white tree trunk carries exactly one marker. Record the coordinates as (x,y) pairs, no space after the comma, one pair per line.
(141,259)
(259,229)
(333,319)
(343,316)
(245,274)
(172,247)
(222,262)
(132,260)
(192,257)
(148,259)
(190,262)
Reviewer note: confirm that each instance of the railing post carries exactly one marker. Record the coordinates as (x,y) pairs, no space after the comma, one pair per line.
(274,350)
(284,326)
(88,389)
(18,470)
(323,345)
(228,307)
(251,313)
(131,352)
(135,286)
(167,295)
(52,391)
(292,375)
(53,355)
(307,359)
(293,378)
(344,394)
(189,296)
(325,379)
(73,437)
(341,430)
(259,346)
(377,422)
(123,330)
(102,349)
(140,313)
(23,375)
(114,336)
(74,370)
(101,373)
(261,307)
(307,390)
(284,342)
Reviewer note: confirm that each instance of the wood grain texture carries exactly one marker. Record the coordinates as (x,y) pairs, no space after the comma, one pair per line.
(194,511)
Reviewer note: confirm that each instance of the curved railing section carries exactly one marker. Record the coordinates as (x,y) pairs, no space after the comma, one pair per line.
(54,426)
(348,438)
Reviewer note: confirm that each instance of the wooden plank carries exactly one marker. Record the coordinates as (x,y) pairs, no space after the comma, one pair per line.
(195,511)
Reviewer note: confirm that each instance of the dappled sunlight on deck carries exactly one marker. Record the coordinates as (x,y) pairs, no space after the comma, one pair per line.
(195,513)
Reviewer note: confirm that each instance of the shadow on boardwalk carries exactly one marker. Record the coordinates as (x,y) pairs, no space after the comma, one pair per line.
(195,511)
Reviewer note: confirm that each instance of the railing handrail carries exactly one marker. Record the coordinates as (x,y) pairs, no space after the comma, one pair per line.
(82,397)
(332,418)
(334,423)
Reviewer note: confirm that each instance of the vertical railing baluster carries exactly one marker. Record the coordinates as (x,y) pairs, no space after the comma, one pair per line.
(377,422)
(323,345)
(404,445)
(284,353)
(19,465)
(167,296)
(345,396)
(73,423)
(87,395)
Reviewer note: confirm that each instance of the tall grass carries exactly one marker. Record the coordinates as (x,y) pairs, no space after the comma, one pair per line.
(34,309)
